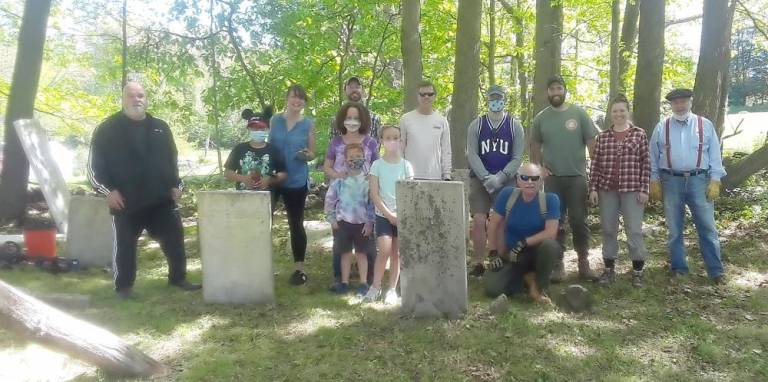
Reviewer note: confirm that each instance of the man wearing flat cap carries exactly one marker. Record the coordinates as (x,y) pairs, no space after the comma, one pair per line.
(686,168)
(495,145)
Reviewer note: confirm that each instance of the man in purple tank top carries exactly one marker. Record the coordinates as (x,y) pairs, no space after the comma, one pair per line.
(495,144)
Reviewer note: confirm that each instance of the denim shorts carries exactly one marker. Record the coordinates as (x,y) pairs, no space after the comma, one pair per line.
(384,227)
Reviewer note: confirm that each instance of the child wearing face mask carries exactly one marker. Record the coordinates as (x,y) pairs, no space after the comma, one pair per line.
(385,173)
(350,211)
(353,123)
(256,165)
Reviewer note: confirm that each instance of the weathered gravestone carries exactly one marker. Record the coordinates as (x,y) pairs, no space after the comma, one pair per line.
(90,236)
(234,231)
(34,140)
(433,245)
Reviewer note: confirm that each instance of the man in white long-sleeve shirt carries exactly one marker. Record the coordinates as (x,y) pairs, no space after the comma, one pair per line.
(427,137)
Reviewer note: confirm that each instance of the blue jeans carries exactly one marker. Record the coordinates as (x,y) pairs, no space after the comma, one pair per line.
(678,192)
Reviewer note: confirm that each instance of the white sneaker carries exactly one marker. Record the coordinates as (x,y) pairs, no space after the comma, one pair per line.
(390,298)
(372,295)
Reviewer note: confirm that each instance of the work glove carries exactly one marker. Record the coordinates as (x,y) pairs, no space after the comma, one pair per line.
(713,190)
(494,260)
(655,193)
(495,182)
(516,249)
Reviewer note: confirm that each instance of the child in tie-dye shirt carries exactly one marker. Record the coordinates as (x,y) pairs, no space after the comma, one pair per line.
(350,211)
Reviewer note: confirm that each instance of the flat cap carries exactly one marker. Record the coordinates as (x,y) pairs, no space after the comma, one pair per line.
(679,93)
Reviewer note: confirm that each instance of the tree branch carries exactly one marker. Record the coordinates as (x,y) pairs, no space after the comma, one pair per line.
(744,10)
(239,53)
(683,20)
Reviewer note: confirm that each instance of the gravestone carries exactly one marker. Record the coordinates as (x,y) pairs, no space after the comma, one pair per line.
(234,232)
(433,246)
(91,234)
(34,140)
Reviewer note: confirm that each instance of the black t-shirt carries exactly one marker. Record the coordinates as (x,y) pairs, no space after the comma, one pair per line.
(264,161)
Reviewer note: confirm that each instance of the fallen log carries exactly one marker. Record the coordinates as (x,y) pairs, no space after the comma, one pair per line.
(34,320)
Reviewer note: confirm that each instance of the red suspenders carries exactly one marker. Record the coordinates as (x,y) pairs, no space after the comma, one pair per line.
(667,146)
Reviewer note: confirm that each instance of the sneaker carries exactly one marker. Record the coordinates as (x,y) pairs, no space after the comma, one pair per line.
(391,297)
(372,295)
(186,285)
(478,270)
(362,290)
(124,294)
(607,277)
(298,278)
(637,279)
(341,288)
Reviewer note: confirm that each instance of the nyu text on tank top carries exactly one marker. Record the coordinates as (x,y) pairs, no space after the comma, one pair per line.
(495,144)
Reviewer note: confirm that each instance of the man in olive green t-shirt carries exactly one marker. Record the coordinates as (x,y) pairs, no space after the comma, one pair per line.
(560,133)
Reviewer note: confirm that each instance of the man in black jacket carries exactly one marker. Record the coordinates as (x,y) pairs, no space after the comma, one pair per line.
(133,162)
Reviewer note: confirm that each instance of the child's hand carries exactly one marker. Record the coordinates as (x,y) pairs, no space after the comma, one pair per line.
(264,183)
(367,229)
(335,226)
(248,182)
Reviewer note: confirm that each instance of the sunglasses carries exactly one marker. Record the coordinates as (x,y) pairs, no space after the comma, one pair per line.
(529,178)
(427,94)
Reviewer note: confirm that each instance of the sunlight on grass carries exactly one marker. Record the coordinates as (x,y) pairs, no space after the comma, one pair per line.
(318,318)
(569,347)
(184,336)
(558,317)
(28,361)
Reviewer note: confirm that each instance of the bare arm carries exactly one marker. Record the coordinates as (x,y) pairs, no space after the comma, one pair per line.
(549,232)
(536,154)
(373,185)
(328,168)
(591,148)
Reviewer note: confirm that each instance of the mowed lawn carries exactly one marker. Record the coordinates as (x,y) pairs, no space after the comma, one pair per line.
(674,330)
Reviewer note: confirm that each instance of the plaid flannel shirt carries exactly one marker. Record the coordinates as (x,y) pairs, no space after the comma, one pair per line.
(634,164)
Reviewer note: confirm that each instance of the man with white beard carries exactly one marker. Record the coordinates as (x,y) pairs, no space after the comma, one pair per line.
(133,161)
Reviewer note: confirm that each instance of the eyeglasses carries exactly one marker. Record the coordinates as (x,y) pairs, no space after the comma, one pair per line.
(427,94)
(529,178)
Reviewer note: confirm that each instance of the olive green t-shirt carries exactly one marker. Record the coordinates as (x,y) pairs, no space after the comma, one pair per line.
(563,136)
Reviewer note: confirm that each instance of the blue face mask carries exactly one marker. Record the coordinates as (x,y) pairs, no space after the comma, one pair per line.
(496,105)
(259,135)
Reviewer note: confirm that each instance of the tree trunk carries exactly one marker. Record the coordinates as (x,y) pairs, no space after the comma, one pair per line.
(627,45)
(466,77)
(41,323)
(491,42)
(650,65)
(124,52)
(549,27)
(740,171)
(410,47)
(21,104)
(522,75)
(711,84)
(613,82)
(215,91)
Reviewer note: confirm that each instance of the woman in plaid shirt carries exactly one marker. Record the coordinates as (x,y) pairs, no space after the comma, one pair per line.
(618,183)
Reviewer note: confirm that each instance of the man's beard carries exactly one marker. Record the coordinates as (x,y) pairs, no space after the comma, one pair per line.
(135,111)
(355,96)
(556,100)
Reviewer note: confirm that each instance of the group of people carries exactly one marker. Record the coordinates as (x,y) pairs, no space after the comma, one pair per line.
(517,228)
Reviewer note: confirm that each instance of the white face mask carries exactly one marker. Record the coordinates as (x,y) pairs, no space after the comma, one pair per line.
(352,124)
(681,116)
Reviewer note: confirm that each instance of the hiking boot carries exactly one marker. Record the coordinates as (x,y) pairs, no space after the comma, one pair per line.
(186,285)
(478,270)
(124,294)
(372,295)
(718,280)
(341,288)
(298,278)
(608,276)
(390,298)
(637,279)
(585,273)
(558,274)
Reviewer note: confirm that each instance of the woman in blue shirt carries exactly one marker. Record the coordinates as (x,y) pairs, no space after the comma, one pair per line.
(293,135)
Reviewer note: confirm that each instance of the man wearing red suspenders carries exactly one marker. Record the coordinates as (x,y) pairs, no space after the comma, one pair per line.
(686,168)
